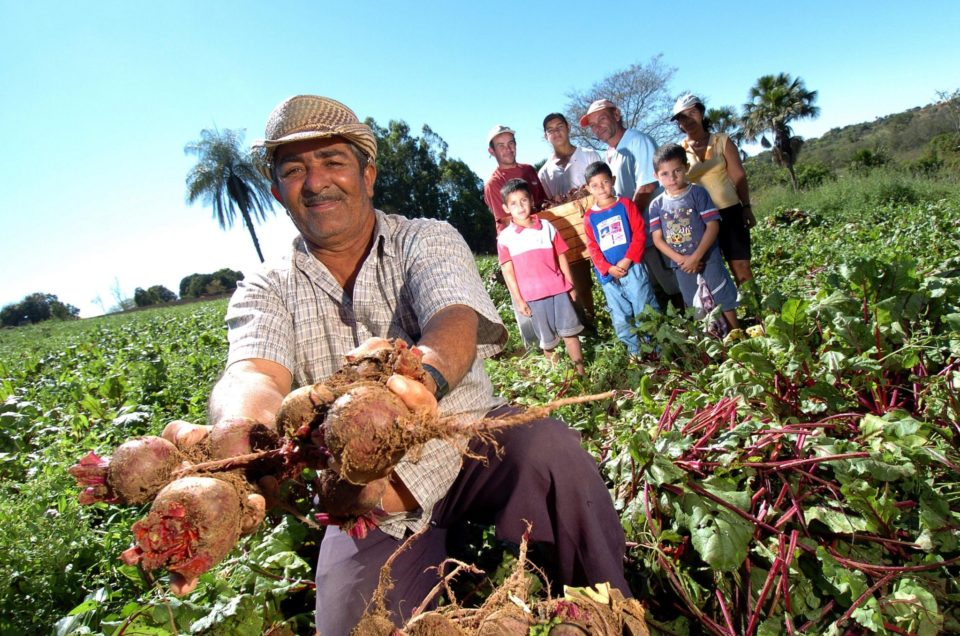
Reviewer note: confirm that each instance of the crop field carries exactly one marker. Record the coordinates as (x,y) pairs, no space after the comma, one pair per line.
(805,480)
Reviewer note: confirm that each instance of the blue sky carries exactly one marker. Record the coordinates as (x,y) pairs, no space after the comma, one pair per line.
(99,99)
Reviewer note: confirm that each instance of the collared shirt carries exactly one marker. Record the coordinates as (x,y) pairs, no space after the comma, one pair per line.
(297,315)
(632,162)
(559,180)
(533,251)
(499,178)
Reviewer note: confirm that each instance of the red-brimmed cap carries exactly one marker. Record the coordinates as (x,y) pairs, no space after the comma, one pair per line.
(596,107)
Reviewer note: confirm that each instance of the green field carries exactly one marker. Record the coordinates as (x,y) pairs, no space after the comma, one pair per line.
(802,481)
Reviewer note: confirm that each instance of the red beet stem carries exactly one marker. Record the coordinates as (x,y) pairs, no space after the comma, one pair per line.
(791,463)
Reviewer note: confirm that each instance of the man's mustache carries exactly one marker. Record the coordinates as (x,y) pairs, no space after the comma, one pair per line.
(321,198)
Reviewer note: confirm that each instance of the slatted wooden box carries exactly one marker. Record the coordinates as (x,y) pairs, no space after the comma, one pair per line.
(568,219)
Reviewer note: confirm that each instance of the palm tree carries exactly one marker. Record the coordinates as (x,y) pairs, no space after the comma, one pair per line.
(226,178)
(725,120)
(775,101)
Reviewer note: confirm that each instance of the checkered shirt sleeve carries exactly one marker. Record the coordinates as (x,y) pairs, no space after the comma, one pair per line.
(297,315)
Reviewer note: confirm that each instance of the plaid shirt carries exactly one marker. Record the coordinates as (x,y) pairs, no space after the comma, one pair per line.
(297,315)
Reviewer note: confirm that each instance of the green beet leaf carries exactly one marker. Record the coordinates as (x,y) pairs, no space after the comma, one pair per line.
(719,535)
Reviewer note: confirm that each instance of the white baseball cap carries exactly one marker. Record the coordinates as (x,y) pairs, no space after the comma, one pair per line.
(684,102)
(499,129)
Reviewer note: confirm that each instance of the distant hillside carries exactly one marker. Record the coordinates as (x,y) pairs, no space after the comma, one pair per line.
(901,137)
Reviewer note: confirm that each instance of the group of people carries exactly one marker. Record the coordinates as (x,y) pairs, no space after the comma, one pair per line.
(356,278)
(663,224)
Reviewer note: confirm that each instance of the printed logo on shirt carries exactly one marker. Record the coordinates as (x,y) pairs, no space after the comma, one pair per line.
(679,232)
(610,233)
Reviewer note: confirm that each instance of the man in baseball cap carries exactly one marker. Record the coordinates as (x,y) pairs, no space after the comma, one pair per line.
(502,146)
(356,277)
(630,157)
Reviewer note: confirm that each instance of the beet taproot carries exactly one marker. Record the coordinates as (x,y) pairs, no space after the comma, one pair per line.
(239,436)
(192,525)
(342,499)
(136,471)
(367,431)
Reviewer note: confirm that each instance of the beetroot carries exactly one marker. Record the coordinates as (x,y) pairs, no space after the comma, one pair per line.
(136,471)
(239,436)
(193,523)
(367,430)
(350,423)
(341,499)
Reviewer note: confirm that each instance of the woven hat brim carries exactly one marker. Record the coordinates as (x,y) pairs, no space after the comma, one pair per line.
(365,141)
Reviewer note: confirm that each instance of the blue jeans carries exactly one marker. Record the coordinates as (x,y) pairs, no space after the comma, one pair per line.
(626,298)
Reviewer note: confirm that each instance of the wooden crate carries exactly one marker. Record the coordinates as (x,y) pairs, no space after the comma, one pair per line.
(568,219)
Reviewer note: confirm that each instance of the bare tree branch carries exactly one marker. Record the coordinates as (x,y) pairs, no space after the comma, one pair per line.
(640,91)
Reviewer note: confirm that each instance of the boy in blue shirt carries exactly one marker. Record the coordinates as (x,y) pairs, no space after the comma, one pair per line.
(616,239)
(685,223)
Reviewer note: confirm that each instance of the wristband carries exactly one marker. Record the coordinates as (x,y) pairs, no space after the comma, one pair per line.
(745,206)
(442,387)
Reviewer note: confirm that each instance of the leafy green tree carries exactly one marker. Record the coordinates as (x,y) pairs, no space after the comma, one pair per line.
(155,295)
(407,172)
(725,119)
(35,308)
(219,282)
(775,101)
(416,178)
(226,178)
(462,190)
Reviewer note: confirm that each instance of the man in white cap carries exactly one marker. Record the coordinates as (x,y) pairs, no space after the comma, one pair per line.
(355,277)
(630,157)
(502,146)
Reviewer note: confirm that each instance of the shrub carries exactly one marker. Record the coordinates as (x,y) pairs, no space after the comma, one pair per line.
(811,175)
(155,295)
(221,281)
(864,160)
(36,308)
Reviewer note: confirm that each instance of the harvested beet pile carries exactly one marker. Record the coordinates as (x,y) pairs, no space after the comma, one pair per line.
(507,611)
(203,480)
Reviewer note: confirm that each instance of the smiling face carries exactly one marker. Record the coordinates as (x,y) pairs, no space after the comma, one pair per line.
(606,126)
(328,196)
(503,147)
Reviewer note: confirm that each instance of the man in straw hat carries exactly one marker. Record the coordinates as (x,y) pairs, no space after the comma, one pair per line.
(355,277)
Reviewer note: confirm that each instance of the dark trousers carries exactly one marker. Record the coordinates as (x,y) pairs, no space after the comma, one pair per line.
(543,476)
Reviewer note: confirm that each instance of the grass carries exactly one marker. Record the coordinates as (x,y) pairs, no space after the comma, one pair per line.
(849,192)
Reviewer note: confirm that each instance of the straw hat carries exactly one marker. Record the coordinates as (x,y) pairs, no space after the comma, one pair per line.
(311,117)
